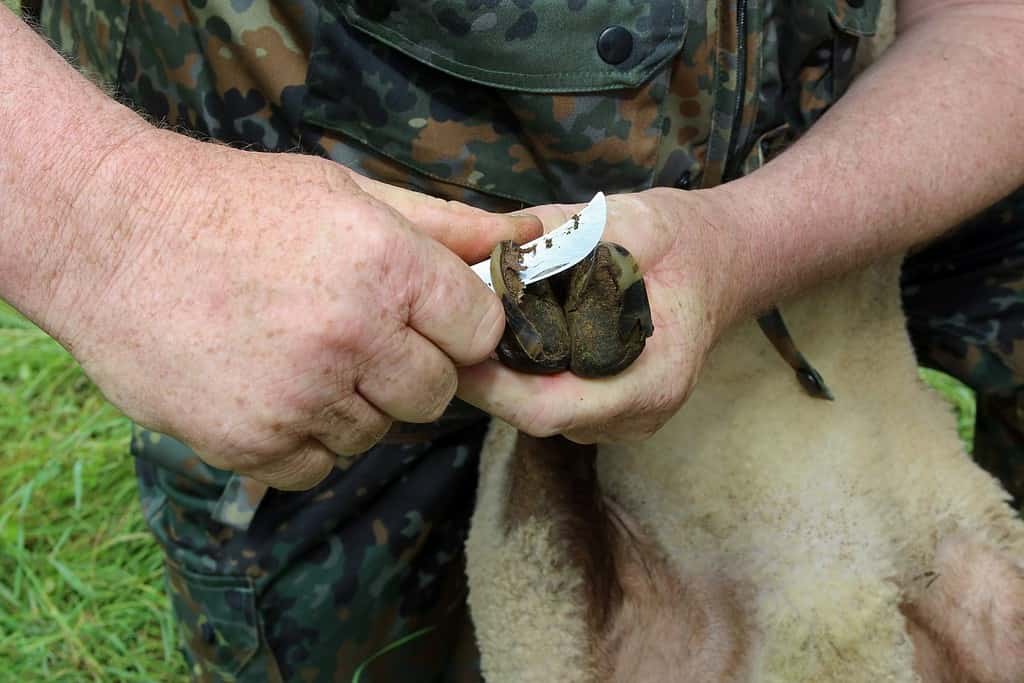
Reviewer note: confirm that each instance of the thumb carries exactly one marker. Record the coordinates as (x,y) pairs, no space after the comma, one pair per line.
(469,232)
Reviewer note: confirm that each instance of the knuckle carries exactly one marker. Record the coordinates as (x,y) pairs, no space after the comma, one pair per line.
(440,394)
(234,449)
(299,472)
(313,477)
(324,337)
(335,176)
(380,250)
(337,418)
(349,433)
(667,403)
(489,328)
(247,461)
(365,437)
(216,459)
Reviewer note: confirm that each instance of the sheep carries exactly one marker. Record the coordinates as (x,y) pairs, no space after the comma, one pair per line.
(762,534)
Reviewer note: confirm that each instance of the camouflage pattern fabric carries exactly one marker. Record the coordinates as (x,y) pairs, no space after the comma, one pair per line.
(502,104)
(964,298)
(296,75)
(321,581)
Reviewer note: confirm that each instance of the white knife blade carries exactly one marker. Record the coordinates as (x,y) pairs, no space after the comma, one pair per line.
(560,249)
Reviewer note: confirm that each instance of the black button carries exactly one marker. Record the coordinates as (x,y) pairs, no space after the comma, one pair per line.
(615,44)
(685,181)
(375,10)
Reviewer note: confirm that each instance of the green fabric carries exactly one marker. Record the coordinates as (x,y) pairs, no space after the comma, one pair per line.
(321,584)
(531,46)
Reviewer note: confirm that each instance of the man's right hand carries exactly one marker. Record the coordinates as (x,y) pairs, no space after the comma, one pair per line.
(270,310)
(275,310)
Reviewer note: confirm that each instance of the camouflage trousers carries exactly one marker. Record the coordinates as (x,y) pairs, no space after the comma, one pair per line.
(361,579)
(964,299)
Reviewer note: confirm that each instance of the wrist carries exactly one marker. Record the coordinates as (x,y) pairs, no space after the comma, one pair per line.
(122,222)
(713,244)
(60,137)
(759,266)
(88,227)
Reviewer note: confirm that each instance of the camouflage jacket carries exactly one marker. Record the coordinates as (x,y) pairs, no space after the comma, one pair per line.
(500,103)
(496,101)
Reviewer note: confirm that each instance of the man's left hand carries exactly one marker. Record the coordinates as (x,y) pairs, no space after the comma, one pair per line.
(686,261)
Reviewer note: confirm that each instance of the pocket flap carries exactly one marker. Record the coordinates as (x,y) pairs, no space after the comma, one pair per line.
(571,46)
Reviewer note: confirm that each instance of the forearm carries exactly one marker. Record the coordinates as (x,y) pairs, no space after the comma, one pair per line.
(63,179)
(933,133)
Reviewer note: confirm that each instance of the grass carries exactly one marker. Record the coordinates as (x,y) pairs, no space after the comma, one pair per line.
(960,397)
(81,583)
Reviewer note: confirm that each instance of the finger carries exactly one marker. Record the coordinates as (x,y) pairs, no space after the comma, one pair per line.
(451,307)
(469,232)
(298,471)
(542,405)
(410,379)
(350,426)
(585,411)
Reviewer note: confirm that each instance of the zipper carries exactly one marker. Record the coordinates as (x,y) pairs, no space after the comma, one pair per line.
(741,85)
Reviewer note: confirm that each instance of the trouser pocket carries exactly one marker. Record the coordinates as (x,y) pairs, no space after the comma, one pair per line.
(220,626)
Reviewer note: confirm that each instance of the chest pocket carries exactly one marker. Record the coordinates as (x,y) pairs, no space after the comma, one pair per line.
(533,101)
(545,46)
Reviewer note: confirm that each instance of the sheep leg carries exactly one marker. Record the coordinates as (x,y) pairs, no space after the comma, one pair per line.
(532,584)
(598,577)
(967,616)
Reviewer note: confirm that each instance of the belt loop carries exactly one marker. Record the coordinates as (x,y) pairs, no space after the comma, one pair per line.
(237,505)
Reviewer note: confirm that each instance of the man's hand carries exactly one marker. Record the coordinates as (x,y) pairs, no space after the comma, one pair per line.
(686,267)
(273,311)
(269,310)
(875,176)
